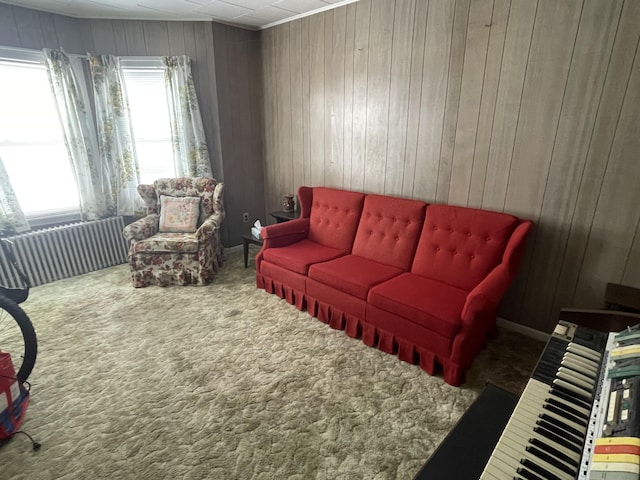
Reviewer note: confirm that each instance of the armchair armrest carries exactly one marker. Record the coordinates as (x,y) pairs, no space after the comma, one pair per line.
(142,228)
(209,226)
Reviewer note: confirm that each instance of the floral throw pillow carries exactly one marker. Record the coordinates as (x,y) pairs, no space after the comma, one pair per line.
(179,214)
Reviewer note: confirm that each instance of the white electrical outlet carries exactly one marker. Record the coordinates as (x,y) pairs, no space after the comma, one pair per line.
(245,217)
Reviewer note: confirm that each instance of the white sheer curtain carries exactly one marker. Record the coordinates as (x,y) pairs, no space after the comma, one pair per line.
(115,136)
(12,219)
(190,152)
(91,175)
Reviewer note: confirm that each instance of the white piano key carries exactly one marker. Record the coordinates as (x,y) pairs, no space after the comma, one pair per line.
(513,456)
(569,386)
(565,374)
(586,370)
(584,351)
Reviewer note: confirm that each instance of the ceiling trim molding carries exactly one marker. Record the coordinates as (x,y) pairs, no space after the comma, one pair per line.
(307,14)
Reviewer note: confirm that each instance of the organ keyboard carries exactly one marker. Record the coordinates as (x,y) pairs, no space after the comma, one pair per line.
(573,421)
(577,418)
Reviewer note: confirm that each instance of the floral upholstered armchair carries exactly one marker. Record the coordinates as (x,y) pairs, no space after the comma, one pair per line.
(178,242)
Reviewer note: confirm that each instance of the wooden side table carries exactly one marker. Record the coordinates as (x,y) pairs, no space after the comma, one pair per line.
(246,240)
(282,216)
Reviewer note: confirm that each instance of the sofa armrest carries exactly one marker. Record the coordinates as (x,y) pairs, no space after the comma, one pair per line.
(285,233)
(209,226)
(142,228)
(281,235)
(488,293)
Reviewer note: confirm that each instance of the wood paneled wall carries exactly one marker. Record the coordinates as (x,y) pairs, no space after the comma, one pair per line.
(240,169)
(523,106)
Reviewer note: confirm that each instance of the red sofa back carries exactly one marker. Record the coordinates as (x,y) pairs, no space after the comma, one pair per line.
(389,230)
(459,246)
(334,217)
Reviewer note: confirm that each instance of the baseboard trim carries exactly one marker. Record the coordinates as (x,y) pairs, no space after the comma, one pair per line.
(528,331)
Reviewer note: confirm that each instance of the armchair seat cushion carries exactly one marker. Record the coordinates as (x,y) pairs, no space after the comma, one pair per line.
(298,256)
(353,274)
(168,242)
(429,303)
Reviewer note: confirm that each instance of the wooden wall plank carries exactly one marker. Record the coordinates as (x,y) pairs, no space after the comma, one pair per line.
(284,181)
(399,88)
(613,95)
(514,63)
(104,40)
(306,100)
(618,210)
(175,32)
(454,85)
(156,37)
(435,76)
(8,27)
(119,37)
(349,52)
(48,28)
(28,27)
(552,46)
(270,116)
(475,57)
(335,37)
(589,64)
(378,83)
(631,273)
(415,98)
(493,65)
(68,34)
(134,35)
(317,106)
(297,124)
(359,114)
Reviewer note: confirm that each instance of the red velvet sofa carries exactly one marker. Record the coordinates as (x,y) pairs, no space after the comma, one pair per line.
(420,281)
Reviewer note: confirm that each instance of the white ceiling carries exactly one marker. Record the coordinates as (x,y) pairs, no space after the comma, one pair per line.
(253,14)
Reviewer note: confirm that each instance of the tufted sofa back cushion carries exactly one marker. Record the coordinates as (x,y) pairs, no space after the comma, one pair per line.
(460,246)
(334,217)
(389,230)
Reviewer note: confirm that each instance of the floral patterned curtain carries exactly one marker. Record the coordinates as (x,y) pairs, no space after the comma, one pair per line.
(12,219)
(91,176)
(190,152)
(115,136)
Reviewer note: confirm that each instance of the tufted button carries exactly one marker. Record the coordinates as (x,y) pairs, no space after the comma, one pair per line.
(472,257)
(394,219)
(455,252)
(437,249)
(397,239)
(435,228)
(488,238)
(469,234)
(451,230)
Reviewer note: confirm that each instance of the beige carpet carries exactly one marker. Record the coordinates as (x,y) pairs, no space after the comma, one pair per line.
(226,382)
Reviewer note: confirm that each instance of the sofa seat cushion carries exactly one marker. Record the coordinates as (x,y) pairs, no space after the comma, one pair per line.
(429,303)
(168,242)
(298,256)
(353,274)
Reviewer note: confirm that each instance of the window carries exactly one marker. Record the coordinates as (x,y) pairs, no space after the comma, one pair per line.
(145,85)
(32,143)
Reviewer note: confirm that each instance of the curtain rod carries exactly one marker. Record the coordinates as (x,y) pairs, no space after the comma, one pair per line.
(31,51)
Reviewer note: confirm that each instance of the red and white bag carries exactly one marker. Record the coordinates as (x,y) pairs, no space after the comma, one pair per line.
(14,398)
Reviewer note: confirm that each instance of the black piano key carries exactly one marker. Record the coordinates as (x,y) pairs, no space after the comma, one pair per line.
(561,433)
(569,397)
(553,451)
(565,414)
(527,474)
(546,474)
(558,439)
(578,396)
(560,424)
(551,460)
(567,408)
